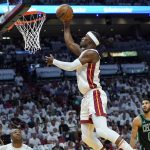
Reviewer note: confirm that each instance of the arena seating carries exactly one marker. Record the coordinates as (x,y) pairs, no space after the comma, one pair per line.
(32,95)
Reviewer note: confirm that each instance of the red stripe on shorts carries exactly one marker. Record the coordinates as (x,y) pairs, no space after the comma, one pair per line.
(98,103)
(86,121)
(90,75)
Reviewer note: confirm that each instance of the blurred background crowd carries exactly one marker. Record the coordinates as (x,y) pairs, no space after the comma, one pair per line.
(48,112)
(48,109)
(46,106)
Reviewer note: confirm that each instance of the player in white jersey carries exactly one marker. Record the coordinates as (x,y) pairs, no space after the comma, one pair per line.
(17,142)
(94,102)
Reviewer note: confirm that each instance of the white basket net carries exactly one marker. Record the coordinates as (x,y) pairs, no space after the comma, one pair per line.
(30,25)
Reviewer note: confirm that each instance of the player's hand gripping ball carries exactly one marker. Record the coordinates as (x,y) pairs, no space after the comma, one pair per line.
(64,12)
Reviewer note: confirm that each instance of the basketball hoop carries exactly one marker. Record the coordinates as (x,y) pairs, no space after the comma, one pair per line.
(30,25)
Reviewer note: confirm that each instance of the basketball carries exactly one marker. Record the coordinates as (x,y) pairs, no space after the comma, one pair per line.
(64,12)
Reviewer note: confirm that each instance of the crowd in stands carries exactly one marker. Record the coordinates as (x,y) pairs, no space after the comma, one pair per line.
(13,54)
(48,112)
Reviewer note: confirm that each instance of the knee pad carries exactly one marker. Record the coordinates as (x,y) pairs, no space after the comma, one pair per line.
(102,132)
(107,134)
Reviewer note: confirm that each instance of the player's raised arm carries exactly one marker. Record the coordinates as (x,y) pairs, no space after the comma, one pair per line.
(65,14)
(75,48)
(135,125)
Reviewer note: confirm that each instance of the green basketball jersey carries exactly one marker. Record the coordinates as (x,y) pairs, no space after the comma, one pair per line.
(144,133)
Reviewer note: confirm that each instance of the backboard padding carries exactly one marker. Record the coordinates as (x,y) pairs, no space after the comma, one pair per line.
(11,17)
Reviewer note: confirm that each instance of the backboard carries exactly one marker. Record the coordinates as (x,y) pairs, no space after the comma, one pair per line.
(12,11)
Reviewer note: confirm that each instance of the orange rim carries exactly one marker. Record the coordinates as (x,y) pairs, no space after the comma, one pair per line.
(10,27)
(31,21)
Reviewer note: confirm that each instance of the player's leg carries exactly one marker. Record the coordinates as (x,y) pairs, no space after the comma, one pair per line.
(107,133)
(90,138)
(87,128)
(97,108)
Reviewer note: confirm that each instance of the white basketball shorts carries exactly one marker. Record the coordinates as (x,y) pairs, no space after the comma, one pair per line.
(93,102)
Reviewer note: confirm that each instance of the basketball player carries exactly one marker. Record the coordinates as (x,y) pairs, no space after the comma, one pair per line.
(17,142)
(93,106)
(141,127)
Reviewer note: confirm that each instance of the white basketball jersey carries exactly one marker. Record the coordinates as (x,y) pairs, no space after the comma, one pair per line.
(88,75)
(10,147)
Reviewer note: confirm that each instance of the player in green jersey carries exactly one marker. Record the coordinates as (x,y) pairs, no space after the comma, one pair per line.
(141,127)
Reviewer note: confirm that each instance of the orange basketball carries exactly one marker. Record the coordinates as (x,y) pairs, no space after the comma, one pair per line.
(64,12)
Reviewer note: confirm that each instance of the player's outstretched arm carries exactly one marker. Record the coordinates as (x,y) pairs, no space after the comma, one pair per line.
(135,125)
(68,66)
(75,48)
(88,57)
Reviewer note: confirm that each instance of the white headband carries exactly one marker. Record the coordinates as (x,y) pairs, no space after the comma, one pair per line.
(93,37)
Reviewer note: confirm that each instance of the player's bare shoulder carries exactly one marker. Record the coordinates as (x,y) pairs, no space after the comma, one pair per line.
(89,56)
(136,121)
(93,54)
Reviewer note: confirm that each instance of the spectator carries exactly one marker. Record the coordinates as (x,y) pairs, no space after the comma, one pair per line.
(64,129)
(17,141)
(57,147)
(19,80)
(34,141)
